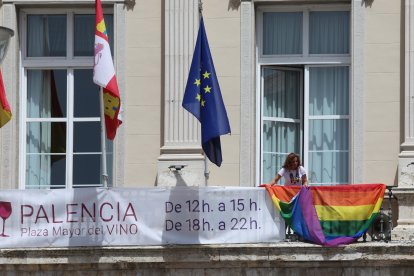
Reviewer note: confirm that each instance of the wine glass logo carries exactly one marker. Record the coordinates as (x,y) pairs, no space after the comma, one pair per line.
(5,212)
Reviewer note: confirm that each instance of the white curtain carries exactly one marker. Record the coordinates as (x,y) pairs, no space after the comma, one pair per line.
(282,33)
(281,100)
(46,37)
(38,133)
(329,32)
(328,138)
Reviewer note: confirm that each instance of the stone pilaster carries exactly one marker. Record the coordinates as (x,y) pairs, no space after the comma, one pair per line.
(9,133)
(405,190)
(405,227)
(405,196)
(182,140)
(247,95)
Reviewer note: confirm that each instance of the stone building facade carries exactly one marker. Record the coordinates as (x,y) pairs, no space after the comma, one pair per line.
(365,128)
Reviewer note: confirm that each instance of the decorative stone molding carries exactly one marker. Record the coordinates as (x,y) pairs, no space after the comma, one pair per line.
(247,96)
(293,258)
(405,227)
(9,134)
(182,140)
(189,173)
(405,190)
(181,129)
(406,170)
(358,40)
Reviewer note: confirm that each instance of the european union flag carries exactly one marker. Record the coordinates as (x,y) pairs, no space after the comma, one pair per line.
(202,98)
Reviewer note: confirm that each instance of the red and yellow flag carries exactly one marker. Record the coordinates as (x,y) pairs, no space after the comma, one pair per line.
(5,111)
(104,75)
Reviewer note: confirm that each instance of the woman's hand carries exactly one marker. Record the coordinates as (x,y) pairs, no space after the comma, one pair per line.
(304,181)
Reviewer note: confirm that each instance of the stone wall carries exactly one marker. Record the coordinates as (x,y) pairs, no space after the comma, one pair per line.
(288,258)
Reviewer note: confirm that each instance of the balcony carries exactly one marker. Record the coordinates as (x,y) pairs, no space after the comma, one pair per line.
(374,254)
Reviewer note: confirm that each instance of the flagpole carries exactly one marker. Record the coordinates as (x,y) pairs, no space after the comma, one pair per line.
(206,172)
(103,141)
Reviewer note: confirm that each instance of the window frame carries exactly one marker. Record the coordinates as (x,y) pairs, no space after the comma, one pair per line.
(288,120)
(70,63)
(305,60)
(307,118)
(305,57)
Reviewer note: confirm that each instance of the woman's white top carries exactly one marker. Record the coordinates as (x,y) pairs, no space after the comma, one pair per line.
(293,177)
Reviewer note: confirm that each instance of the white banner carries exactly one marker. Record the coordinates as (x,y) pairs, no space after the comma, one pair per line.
(146,216)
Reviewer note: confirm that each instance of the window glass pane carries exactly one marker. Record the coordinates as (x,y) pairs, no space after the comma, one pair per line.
(86,169)
(46,137)
(84,33)
(329,91)
(87,137)
(279,139)
(328,151)
(328,135)
(281,93)
(282,33)
(86,94)
(329,32)
(46,93)
(46,35)
(45,171)
(327,168)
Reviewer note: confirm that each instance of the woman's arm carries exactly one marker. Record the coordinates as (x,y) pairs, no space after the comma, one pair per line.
(276,179)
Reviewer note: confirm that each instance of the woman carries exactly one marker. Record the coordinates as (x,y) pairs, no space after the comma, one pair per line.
(292,171)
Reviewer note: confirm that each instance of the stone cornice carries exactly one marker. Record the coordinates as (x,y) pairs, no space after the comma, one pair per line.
(253,256)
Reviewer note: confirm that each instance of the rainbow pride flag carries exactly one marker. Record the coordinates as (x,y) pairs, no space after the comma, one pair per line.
(328,215)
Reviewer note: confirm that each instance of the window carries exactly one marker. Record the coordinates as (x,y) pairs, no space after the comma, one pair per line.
(304,102)
(60,127)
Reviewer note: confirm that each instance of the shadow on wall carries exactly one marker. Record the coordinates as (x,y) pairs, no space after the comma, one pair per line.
(175,176)
(234,4)
(367,3)
(129,4)
(180,180)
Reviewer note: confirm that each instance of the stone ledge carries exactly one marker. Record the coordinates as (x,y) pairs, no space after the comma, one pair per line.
(294,254)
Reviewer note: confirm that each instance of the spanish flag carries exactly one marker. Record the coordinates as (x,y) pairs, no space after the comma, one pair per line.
(104,75)
(329,215)
(5,111)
